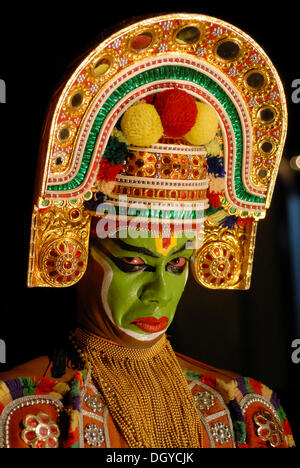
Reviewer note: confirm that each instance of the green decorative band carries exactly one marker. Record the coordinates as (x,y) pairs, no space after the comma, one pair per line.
(166,72)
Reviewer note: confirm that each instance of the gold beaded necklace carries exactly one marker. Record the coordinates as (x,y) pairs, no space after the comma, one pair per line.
(145,391)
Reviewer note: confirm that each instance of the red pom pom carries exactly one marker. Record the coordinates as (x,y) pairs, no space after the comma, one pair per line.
(243,221)
(214,199)
(108,172)
(177,111)
(149,99)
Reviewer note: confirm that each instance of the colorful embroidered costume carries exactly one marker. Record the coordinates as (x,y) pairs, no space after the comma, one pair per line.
(235,412)
(161,149)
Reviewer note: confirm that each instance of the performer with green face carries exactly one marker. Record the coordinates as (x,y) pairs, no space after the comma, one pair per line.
(159,155)
(127,300)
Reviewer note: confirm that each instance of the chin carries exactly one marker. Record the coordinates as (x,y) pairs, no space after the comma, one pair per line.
(142,337)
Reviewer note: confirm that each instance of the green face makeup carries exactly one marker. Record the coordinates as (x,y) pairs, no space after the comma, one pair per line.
(143,282)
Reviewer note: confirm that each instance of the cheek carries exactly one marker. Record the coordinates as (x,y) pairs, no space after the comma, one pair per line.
(123,294)
(177,283)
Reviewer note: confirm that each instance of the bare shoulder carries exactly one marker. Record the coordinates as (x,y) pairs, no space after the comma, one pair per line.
(202,368)
(35,367)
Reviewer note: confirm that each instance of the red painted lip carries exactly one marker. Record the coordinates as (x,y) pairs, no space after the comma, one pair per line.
(151,324)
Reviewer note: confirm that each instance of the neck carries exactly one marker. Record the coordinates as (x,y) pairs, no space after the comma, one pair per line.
(87,339)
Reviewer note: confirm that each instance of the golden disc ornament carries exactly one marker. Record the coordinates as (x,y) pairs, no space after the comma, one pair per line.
(217,265)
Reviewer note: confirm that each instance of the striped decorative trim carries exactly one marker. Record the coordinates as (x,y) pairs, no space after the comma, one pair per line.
(25,386)
(171,148)
(170,184)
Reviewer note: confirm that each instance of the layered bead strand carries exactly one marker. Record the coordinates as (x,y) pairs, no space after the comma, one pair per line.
(145,391)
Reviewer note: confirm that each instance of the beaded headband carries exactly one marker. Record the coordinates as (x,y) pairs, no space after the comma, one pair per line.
(218,171)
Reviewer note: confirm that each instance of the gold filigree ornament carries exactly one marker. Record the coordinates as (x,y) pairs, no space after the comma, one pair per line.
(142,42)
(255,81)
(227,49)
(59,162)
(62,233)
(78,100)
(220,263)
(219,66)
(267,115)
(102,67)
(266,147)
(187,35)
(65,133)
(63,261)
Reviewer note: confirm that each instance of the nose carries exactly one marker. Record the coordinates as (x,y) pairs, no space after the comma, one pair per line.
(156,290)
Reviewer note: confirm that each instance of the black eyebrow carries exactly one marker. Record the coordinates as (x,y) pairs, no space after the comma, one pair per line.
(127,268)
(184,247)
(134,248)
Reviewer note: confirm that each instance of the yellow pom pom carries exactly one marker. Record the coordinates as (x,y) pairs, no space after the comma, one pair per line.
(141,125)
(205,127)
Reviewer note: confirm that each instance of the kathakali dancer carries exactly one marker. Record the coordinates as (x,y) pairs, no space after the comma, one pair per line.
(160,152)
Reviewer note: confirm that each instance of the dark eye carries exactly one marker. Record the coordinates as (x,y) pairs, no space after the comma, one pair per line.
(133,260)
(177,265)
(130,264)
(179,262)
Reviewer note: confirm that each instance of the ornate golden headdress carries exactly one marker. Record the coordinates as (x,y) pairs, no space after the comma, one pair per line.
(88,154)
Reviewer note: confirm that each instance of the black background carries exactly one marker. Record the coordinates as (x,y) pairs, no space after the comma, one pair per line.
(249,332)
